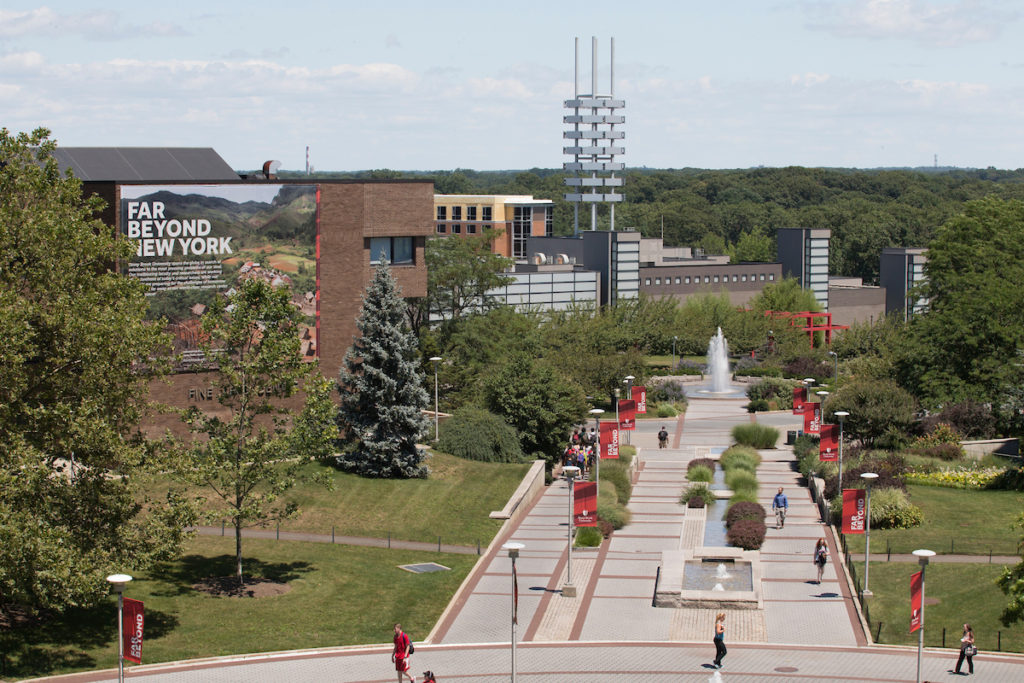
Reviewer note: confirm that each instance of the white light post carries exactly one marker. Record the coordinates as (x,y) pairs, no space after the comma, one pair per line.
(922,558)
(569,590)
(822,395)
(435,360)
(869,478)
(675,338)
(842,415)
(629,397)
(597,413)
(618,425)
(513,549)
(835,359)
(117,583)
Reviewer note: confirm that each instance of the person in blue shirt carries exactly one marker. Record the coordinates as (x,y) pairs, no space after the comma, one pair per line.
(781,506)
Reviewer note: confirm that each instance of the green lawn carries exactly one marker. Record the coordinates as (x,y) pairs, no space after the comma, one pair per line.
(453,502)
(965,593)
(340,595)
(955,520)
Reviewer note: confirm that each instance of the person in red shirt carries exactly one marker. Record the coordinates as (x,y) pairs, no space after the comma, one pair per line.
(401,654)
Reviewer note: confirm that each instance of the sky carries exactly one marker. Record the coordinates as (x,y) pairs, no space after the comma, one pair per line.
(481,85)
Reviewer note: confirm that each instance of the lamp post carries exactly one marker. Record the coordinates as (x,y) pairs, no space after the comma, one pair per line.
(597,413)
(835,359)
(618,425)
(869,478)
(629,397)
(842,415)
(922,559)
(569,590)
(513,549)
(117,583)
(675,338)
(435,360)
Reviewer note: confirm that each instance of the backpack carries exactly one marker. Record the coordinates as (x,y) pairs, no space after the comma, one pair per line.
(412,648)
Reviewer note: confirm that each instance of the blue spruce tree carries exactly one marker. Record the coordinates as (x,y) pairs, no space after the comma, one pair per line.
(382,394)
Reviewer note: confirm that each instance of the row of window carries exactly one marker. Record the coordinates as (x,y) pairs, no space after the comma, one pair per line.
(392,250)
(455,228)
(471,211)
(708,279)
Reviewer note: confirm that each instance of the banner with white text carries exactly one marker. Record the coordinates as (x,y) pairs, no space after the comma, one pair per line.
(609,438)
(131,633)
(640,398)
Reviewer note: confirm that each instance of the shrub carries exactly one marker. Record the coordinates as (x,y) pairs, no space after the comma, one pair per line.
(614,513)
(742,497)
(696,501)
(696,490)
(970,419)
(805,366)
(589,537)
(477,434)
(889,471)
(699,473)
(666,391)
(666,410)
(805,444)
(943,451)
(688,367)
(959,478)
(605,526)
(881,411)
(758,405)
(746,533)
(744,510)
(771,389)
(743,457)
(618,476)
(626,454)
(755,435)
(710,463)
(741,480)
(1012,479)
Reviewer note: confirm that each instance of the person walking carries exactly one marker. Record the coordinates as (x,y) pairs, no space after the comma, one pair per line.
(400,656)
(663,437)
(820,557)
(780,504)
(719,640)
(967,649)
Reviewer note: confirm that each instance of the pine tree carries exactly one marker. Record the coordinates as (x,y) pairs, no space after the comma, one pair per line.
(382,394)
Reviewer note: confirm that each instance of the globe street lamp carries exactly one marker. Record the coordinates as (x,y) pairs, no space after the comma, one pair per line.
(597,413)
(435,360)
(117,583)
(569,590)
(835,358)
(513,549)
(842,415)
(922,558)
(869,478)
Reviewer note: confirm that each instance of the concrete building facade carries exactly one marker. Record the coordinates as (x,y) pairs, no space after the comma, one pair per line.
(514,218)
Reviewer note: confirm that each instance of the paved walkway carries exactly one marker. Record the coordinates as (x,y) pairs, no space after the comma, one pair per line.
(611,631)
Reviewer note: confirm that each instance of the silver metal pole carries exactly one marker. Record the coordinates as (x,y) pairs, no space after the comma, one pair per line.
(840,456)
(436,404)
(513,619)
(867,545)
(120,637)
(920,631)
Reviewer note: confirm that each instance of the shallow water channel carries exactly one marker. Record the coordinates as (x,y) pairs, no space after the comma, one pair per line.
(714,525)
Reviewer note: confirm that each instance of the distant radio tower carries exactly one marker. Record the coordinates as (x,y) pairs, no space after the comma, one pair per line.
(307,159)
(936,161)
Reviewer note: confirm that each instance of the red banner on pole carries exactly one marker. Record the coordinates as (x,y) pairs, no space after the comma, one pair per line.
(585,504)
(132,630)
(609,438)
(812,418)
(627,415)
(799,396)
(854,510)
(916,589)
(640,398)
(828,446)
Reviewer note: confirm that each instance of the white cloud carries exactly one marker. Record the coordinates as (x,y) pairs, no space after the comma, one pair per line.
(98,25)
(809,79)
(926,22)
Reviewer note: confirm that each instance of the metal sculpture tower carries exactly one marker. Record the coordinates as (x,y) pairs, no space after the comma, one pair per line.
(592,139)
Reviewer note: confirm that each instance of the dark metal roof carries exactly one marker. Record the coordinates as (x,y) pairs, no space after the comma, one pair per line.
(147,164)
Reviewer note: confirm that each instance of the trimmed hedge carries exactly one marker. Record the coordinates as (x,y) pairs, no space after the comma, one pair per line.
(477,434)
(747,534)
(744,510)
(755,435)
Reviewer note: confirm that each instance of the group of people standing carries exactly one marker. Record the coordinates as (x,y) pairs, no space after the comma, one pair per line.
(581,450)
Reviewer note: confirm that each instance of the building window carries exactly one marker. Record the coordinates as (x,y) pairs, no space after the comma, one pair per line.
(442,213)
(549,221)
(771,276)
(657,280)
(456,213)
(485,213)
(707,279)
(687,281)
(470,213)
(716,278)
(393,250)
(522,216)
(761,278)
(677,279)
(647,281)
(456,228)
(442,228)
(735,278)
(744,278)
(470,229)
